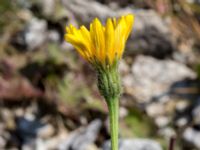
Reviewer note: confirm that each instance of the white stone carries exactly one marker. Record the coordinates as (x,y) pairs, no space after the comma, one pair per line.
(36,33)
(153,77)
(167,132)
(162,121)
(192,136)
(155,109)
(182,122)
(135,144)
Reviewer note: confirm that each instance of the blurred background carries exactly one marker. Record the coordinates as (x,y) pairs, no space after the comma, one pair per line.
(48,94)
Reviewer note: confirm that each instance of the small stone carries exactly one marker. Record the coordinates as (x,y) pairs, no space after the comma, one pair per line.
(155,109)
(181,106)
(19,112)
(40,145)
(192,136)
(48,7)
(27,128)
(123,112)
(8,118)
(167,132)
(162,121)
(135,144)
(181,122)
(196,114)
(54,142)
(2,142)
(80,139)
(36,33)
(46,131)
(53,35)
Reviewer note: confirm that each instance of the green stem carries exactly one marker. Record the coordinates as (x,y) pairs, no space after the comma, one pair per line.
(113,106)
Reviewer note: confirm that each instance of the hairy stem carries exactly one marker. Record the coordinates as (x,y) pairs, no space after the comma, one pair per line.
(113,106)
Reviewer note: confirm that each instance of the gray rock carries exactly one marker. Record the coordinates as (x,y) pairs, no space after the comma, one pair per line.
(142,21)
(25,124)
(53,36)
(150,36)
(152,78)
(53,141)
(82,138)
(182,121)
(162,121)
(167,132)
(192,137)
(36,33)
(8,120)
(159,107)
(2,143)
(86,10)
(196,115)
(181,106)
(184,56)
(135,144)
(150,41)
(48,7)
(45,131)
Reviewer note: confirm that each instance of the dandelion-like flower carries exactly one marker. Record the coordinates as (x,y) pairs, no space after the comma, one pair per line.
(101,44)
(103,47)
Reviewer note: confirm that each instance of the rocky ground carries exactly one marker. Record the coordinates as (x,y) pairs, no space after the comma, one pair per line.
(48,95)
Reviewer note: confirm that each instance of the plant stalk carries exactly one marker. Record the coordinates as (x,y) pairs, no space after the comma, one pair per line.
(113,107)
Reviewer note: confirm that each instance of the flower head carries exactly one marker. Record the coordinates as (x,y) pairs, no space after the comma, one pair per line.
(100,44)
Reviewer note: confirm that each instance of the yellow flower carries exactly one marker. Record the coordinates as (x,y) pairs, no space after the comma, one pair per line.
(101,44)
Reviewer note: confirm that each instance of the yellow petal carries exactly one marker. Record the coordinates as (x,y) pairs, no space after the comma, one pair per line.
(72,29)
(67,29)
(129,22)
(85,33)
(87,40)
(109,40)
(97,34)
(120,37)
(78,44)
(114,22)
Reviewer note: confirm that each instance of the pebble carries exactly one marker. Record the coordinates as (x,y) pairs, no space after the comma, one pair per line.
(192,136)
(181,122)
(46,131)
(162,121)
(167,132)
(2,142)
(155,109)
(36,33)
(196,114)
(80,139)
(181,105)
(135,144)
